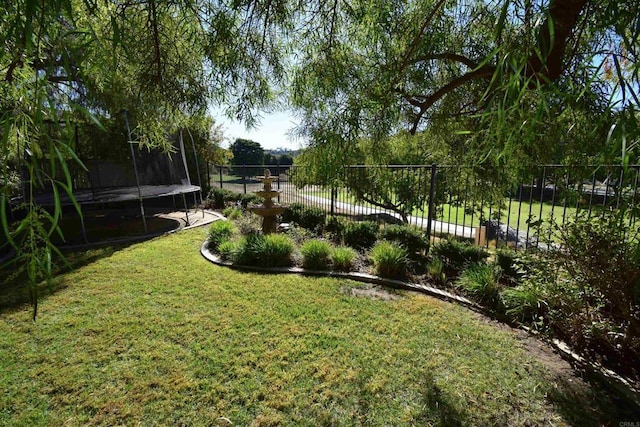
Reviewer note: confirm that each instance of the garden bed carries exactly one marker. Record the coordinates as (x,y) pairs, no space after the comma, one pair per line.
(517,288)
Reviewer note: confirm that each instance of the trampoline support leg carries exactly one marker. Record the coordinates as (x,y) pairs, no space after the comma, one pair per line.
(84,229)
(144,220)
(186,210)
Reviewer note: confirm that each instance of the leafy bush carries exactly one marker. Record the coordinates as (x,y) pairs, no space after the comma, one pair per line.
(249,199)
(248,223)
(308,217)
(273,250)
(389,260)
(335,226)
(221,197)
(316,254)
(360,235)
(219,232)
(509,262)
(457,255)
(480,281)
(412,238)
(598,267)
(300,235)
(343,258)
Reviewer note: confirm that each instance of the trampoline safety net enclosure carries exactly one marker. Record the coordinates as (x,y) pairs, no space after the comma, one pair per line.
(116,172)
(107,180)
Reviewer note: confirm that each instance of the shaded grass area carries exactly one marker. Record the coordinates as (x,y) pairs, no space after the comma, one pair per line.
(154,334)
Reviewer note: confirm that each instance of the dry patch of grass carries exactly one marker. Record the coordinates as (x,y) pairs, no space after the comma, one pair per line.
(154,334)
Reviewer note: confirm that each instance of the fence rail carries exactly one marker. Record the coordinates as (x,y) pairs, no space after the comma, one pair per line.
(455,200)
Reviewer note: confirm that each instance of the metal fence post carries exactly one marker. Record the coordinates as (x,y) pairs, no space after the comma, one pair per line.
(278,179)
(333,200)
(244,178)
(220,171)
(432,190)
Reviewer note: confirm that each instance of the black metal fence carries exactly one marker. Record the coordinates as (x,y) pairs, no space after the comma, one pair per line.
(462,201)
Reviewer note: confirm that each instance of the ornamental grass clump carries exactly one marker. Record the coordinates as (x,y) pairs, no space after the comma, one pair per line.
(481,282)
(278,251)
(389,260)
(219,232)
(232,212)
(229,249)
(343,258)
(273,250)
(316,254)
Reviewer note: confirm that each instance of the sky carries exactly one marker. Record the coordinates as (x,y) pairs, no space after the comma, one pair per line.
(271,132)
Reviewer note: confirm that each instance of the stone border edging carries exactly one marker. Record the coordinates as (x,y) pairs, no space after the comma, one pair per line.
(358,277)
(624,387)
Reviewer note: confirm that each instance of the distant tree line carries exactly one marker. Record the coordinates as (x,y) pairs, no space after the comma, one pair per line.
(248,152)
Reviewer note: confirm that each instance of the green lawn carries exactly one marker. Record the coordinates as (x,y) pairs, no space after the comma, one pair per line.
(153,334)
(517,215)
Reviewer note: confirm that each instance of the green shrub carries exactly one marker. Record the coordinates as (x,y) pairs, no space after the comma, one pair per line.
(360,235)
(309,217)
(481,281)
(300,235)
(316,254)
(249,199)
(343,258)
(229,249)
(221,197)
(389,260)
(251,250)
(509,261)
(595,301)
(219,232)
(335,226)
(232,212)
(248,223)
(411,237)
(458,255)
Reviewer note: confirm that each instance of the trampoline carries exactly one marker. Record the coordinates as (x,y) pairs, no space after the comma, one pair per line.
(117,173)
